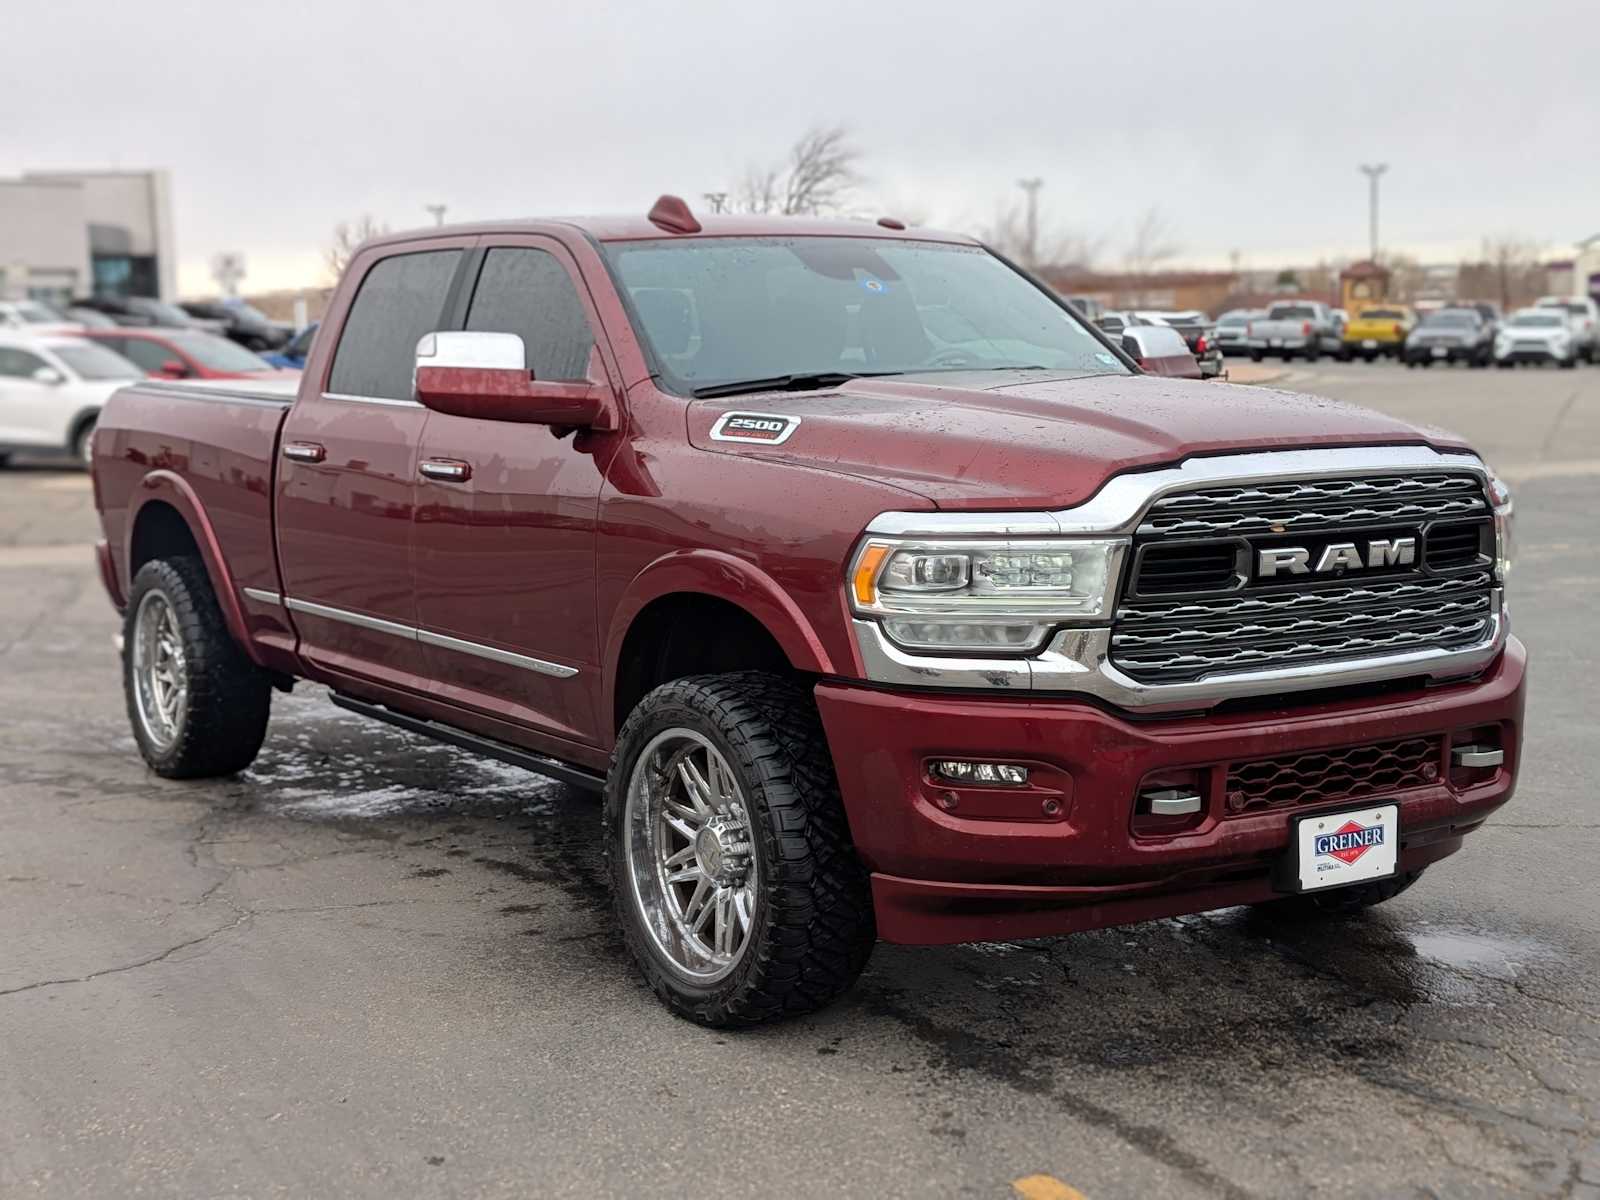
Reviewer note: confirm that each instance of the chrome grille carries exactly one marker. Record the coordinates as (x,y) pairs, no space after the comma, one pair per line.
(1240,625)
(1315,504)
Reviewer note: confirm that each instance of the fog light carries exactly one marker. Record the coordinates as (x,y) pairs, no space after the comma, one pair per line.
(983,774)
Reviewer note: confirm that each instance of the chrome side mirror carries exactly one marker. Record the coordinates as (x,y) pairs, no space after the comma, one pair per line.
(485,375)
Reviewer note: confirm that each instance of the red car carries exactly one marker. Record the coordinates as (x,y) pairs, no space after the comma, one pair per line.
(186,354)
(877,591)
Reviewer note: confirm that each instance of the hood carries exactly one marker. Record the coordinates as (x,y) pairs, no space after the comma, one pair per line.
(965,442)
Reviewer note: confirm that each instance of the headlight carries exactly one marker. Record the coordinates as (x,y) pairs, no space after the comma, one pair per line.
(1504,547)
(988,594)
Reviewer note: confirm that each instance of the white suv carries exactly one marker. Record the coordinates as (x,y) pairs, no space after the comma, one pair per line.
(1584,316)
(52,390)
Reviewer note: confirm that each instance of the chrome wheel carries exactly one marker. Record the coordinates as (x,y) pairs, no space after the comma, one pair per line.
(160,672)
(690,855)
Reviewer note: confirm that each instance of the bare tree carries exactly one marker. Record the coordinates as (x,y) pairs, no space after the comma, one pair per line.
(1151,244)
(1054,248)
(1513,269)
(347,236)
(818,176)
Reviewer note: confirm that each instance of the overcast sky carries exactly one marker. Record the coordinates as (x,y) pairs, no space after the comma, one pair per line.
(1243,122)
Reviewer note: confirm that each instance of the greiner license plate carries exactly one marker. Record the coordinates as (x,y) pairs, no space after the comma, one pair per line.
(1356,846)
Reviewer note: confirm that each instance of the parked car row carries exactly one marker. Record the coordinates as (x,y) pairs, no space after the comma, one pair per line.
(57,373)
(1558,329)
(1193,327)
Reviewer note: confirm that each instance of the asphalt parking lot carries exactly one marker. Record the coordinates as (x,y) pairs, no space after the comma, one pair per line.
(372,965)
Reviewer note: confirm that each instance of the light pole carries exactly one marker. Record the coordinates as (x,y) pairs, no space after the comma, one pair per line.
(1032,186)
(438,211)
(1372,171)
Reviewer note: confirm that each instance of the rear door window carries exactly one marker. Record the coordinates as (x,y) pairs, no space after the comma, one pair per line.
(401,299)
(529,293)
(152,356)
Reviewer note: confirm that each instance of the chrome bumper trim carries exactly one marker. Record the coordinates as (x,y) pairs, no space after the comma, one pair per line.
(1077,662)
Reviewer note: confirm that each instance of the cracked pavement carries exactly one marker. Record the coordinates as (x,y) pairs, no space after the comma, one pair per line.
(372,964)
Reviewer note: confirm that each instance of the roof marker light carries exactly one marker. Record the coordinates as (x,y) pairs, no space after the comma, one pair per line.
(673,215)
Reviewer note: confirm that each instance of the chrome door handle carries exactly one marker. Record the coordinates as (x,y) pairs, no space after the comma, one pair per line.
(447,470)
(308,452)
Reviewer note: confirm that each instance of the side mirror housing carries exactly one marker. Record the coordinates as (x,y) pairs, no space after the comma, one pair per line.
(173,369)
(485,375)
(49,376)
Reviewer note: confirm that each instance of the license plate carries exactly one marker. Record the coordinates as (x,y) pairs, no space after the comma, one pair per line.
(1440,351)
(1369,344)
(1276,342)
(1356,846)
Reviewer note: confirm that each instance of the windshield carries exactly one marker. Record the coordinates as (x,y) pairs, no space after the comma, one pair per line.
(1537,321)
(1291,312)
(167,314)
(1452,320)
(723,310)
(87,360)
(31,312)
(1383,314)
(217,354)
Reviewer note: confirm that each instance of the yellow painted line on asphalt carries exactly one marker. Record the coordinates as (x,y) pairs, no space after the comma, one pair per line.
(77,554)
(1045,1187)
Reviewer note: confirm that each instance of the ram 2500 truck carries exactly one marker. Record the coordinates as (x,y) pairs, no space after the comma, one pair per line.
(879,594)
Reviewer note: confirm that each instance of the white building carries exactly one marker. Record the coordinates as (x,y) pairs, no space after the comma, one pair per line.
(72,233)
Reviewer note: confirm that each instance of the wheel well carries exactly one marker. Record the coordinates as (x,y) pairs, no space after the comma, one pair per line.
(690,634)
(159,532)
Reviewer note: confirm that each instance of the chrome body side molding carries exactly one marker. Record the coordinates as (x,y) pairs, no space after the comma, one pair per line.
(412,633)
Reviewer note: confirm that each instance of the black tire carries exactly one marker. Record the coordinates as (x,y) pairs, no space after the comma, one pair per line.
(812,929)
(1504,363)
(1311,355)
(224,720)
(1340,902)
(1255,356)
(5,461)
(82,443)
(1568,364)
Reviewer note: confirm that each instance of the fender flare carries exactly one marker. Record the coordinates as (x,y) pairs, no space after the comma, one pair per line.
(723,577)
(167,487)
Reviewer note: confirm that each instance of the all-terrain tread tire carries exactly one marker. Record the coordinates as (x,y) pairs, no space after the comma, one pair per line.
(230,698)
(1341,902)
(814,927)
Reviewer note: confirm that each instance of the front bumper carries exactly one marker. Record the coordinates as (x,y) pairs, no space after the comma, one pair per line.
(976,873)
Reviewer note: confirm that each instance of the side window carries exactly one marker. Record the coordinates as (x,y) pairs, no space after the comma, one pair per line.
(147,355)
(400,299)
(528,292)
(19,364)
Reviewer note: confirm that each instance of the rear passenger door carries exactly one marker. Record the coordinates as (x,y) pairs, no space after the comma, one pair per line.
(506,514)
(347,470)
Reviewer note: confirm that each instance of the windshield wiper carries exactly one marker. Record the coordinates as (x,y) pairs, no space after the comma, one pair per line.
(804,381)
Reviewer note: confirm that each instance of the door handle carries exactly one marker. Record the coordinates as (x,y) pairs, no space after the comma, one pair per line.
(447,470)
(308,452)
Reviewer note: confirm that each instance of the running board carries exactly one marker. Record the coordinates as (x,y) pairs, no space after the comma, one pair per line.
(487,747)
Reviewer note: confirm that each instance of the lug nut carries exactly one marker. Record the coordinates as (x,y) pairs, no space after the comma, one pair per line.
(1052,808)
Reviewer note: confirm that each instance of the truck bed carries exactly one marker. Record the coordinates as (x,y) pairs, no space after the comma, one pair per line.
(208,450)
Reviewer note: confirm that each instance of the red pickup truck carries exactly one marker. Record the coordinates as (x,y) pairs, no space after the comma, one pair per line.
(878,592)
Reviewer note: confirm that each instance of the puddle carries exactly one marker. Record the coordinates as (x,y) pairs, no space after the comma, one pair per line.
(1472,953)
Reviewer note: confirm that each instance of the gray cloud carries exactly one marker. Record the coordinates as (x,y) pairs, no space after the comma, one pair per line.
(1243,121)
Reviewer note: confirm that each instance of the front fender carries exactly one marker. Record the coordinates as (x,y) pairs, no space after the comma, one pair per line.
(168,487)
(725,577)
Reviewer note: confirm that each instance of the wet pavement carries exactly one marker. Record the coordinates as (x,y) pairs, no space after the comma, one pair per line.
(372,964)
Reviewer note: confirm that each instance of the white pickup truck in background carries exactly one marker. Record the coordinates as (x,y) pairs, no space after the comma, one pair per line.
(1304,327)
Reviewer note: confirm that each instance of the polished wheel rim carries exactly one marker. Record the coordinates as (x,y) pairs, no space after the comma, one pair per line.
(160,673)
(690,855)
